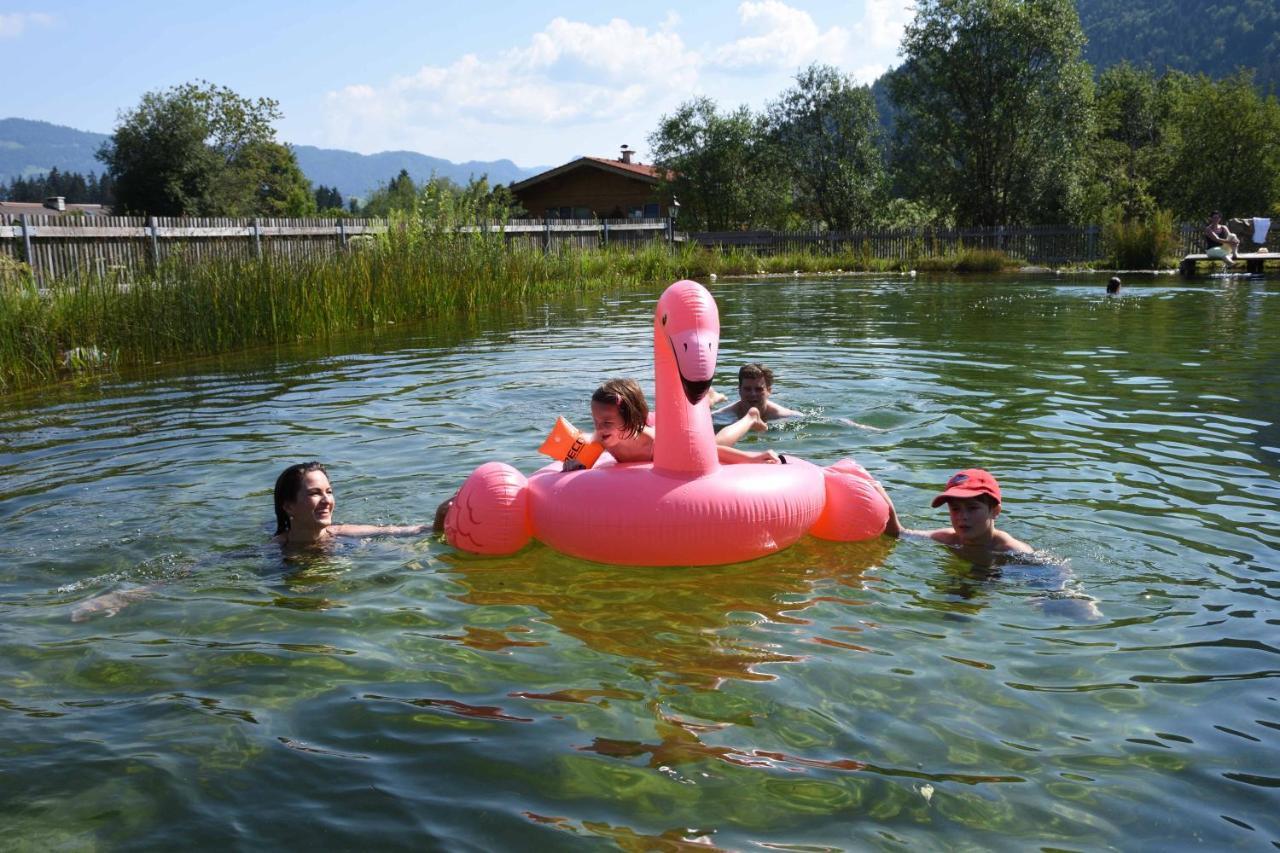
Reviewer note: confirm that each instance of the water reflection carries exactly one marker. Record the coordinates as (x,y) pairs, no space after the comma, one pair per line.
(684,622)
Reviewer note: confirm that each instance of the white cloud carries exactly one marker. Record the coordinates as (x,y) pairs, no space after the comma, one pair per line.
(884,20)
(781,36)
(879,35)
(14,24)
(569,73)
(580,88)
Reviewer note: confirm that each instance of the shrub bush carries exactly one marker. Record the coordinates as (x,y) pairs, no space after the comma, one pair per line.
(1139,244)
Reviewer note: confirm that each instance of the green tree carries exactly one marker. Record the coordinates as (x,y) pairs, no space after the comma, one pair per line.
(199,150)
(278,186)
(994,109)
(328,198)
(824,131)
(399,195)
(1128,153)
(720,167)
(73,186)
(1223,147)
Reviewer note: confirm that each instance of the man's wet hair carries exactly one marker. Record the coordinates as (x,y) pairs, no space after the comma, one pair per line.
(755,370)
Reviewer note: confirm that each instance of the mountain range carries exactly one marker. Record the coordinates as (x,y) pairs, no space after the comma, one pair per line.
(29,148)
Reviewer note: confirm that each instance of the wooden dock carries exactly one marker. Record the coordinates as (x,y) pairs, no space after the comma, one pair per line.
(1253,261)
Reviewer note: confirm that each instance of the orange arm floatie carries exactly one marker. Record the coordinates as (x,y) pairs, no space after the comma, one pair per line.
(567,442)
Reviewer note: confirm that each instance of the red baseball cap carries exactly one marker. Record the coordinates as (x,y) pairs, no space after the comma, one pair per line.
(969,483)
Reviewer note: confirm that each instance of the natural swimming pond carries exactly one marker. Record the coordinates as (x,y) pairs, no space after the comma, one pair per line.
(882,695)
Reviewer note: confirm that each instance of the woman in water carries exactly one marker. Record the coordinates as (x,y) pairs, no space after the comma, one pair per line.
(304,503)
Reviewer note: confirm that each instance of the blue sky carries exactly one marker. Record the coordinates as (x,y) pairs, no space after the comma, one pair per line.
(535,83)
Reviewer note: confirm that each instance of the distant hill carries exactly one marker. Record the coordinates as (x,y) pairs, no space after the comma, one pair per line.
(1212,37)
(359,174)
(29,148)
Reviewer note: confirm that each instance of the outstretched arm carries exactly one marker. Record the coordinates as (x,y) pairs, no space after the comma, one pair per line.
(893,527)
(779,411)
(734,456)
(379,530)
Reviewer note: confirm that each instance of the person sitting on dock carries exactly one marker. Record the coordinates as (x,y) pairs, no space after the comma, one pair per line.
(1220,243)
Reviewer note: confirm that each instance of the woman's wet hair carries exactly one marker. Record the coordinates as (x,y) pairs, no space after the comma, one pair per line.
(627,396)
(288,484)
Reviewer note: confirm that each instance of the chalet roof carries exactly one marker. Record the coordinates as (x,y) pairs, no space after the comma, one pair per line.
(646,172)
(35,208)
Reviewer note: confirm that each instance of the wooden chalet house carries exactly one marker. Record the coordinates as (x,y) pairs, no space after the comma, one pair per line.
(595,188)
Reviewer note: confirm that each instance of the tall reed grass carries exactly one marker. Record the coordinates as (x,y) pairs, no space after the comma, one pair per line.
(1140,244)
(420,269)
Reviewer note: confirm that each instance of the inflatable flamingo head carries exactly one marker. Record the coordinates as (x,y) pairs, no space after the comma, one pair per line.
(689,322)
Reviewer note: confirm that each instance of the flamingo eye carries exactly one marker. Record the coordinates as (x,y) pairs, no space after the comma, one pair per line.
(664,319)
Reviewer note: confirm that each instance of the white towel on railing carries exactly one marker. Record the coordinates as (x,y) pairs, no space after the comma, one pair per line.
(1261,226)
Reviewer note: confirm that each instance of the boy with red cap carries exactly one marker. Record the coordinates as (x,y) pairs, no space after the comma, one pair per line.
(973,498)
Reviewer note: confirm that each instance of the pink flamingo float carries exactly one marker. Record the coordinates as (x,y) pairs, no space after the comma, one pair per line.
(683,508)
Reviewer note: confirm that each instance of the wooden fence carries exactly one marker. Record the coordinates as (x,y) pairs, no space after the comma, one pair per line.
(116,247)
(1040,244)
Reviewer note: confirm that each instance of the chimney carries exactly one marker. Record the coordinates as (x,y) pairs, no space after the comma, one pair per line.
(626,154)
(56,202)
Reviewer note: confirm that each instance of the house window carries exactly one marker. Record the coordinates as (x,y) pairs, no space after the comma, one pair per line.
(566,213)
(651,211)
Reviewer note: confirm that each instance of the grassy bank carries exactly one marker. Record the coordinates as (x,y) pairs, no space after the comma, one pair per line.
(413,273)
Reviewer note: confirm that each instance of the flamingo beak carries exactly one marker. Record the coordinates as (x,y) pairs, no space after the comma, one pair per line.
(695,353)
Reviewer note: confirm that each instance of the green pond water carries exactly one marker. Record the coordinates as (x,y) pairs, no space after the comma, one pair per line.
(1121,694)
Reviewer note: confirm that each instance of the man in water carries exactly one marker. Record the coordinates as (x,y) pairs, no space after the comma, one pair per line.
(755,384)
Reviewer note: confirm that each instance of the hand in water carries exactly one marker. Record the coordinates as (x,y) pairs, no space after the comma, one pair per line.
(108,605)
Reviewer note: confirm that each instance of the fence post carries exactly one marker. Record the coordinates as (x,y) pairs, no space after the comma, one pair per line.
(155,244)
(606,231)
(546,235)
(257,240)
(26,250)
(1091,241)
(342,233)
